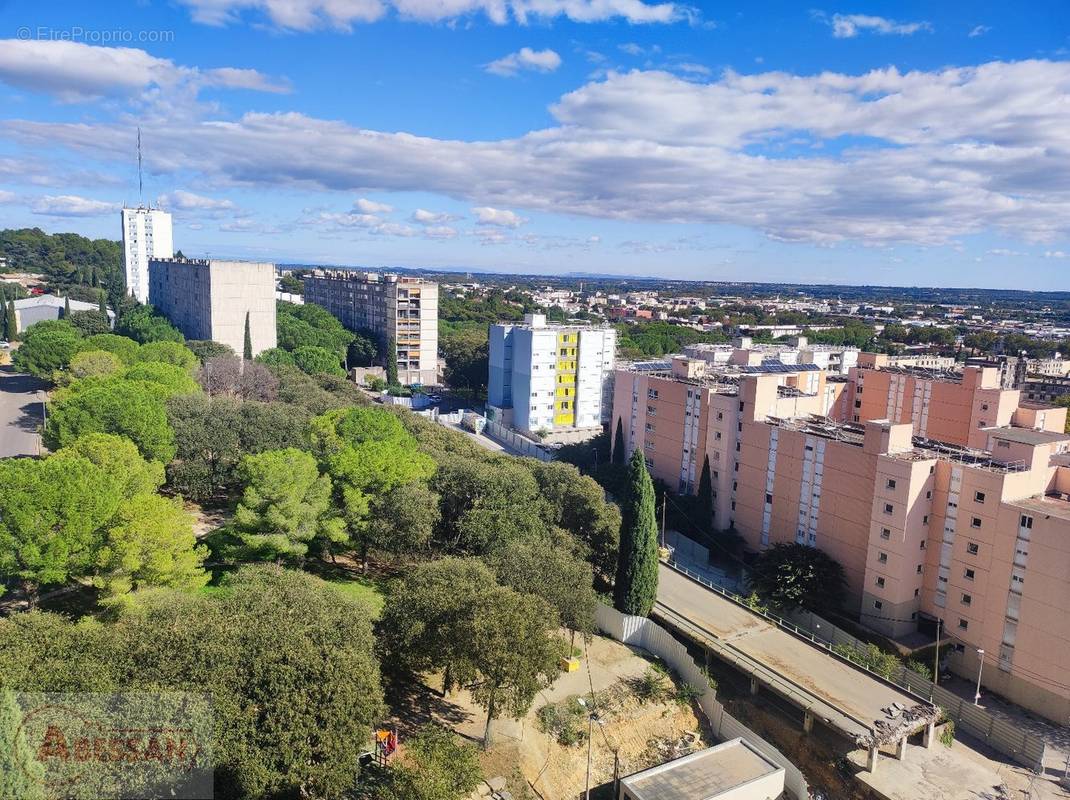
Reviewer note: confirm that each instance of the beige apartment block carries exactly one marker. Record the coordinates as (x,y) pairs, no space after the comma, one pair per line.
(394,308)
(211,299)
(976,534)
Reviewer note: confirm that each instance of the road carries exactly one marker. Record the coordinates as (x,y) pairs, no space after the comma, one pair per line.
(20,413)
(806,668)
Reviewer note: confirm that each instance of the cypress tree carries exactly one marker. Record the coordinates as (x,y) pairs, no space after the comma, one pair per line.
(636,588)
(618,444)
(10,329)
(3,310)
(705,496)
(247,346)
(66,307)
(391,363)
(103,306)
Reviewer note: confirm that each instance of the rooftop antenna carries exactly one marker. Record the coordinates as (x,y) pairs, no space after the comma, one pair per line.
(140,189)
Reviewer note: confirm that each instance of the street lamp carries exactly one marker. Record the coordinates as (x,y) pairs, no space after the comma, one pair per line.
(980,666)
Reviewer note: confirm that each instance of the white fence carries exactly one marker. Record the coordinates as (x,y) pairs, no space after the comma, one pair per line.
(650,636)
(511,438)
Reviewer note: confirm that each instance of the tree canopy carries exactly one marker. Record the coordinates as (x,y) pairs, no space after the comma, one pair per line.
(794,575)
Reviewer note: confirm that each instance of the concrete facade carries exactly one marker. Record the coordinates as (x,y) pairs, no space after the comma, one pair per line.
(392,307)
(975,533)
(30,310)
(146,235)
(211,299)
(550,378)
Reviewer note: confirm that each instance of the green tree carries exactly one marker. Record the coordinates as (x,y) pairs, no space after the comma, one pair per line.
(150,543)
(10,328)
(464,347)
(391,358)
(119,458)
(548,570)
(47,347)
(247,341)
(205,349)
(285,506)
(168,352)
(123,347)
(163,380)
(404,519)
(619,453)
(275,357)
(314,360)
(794,575)
(125,408)
(513,652)
(636,586)
(90,322)
(22,776)
(52,513)
(144,324)
(102,306)
(94,364)
(435,767)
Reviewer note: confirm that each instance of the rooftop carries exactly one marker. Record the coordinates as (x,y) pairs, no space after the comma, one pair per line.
(54,301)
(1048,505)
(706,775)
(1027,435)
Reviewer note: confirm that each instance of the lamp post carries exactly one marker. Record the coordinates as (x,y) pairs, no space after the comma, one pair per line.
(936,655)
(980,666)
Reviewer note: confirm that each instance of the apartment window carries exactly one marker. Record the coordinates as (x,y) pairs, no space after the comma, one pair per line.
(860,388)
(652,411)
(768,497)
(919,569)
(858,403)
(963,624)
(925,520)
(885,533)
(982,424)
(972,548)
(968,574)
(735,485)
(716,474)
(650,427)
(1026,522)
(882,558)
(921,545)
(877,604)
(809,448)
(979,497)
(888,508)
(720,415)
(984,406)
(917,592)
(741,406)
(880,583)
(960,648)
(652,394)
(733,505)
(929,495)
(975,522)
(717,436)
(966,599)
(1017,579)
(1002,443)
(891,483)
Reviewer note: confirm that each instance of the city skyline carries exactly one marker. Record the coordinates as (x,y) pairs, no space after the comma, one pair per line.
(891,146)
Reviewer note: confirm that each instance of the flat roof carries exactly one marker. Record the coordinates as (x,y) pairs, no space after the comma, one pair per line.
(1049,506)
(705,775)
(1027,435)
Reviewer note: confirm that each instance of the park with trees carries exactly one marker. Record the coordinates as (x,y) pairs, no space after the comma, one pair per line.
(263,533)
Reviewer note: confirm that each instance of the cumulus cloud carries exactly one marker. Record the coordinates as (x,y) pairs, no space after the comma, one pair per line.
(948,153)
(1056,254)
(74,72)
(524,59)
(422,216)
(502,218)
(847,26)
(366,206)
(7,197)
(341,15)
(69,205)
(979,30)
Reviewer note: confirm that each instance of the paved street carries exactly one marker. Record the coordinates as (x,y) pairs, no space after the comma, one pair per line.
(833,681)
(20,413)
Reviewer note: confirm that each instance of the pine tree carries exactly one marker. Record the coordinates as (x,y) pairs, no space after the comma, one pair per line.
(636,588)
(705,496)
(391,363)
(247,347)
(21,774)
(618,444)
(10,328)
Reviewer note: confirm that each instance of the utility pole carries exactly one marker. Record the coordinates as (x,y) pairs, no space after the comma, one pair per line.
(590,738)
(980,666)
(664,500)
(936,656)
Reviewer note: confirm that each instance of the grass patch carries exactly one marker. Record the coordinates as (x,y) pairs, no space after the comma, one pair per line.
(363,590)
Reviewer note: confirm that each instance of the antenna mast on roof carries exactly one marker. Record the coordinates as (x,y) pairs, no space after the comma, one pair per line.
(140,190)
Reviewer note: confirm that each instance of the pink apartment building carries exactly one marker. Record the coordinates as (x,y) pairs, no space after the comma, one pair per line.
(977,536)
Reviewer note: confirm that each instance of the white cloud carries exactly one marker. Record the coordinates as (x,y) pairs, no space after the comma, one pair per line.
(69,205)
(524,59)
(73,72)
(366,206)
(440,232)
(499,217)
(948,153)
(7,197)
(1056,254)
(181,200)
(1004,251)
(341,15)
(979,30)
(422,216)
(693,69)
(847,26)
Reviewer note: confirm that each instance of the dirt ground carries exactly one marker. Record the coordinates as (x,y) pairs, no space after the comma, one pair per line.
(532,763)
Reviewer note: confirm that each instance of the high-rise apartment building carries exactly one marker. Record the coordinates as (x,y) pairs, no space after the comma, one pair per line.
(212,299)
(394,308)
(975,535)
(146,235)
(550,378)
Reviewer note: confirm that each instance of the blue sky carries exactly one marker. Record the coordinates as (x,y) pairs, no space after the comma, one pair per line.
(905,143)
